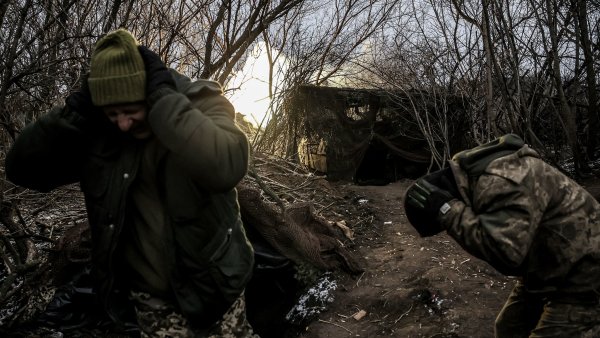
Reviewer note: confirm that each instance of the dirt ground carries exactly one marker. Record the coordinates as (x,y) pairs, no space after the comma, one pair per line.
(412,286)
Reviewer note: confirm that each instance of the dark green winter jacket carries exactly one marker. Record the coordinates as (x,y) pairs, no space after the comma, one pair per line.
(205,156)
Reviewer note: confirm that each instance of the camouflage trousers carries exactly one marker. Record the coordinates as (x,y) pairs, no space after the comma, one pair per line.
(525,315)
(159,319)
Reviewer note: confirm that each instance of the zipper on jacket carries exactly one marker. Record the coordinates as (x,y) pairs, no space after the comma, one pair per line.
(221,249)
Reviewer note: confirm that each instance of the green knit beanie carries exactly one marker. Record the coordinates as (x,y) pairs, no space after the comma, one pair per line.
(117,73)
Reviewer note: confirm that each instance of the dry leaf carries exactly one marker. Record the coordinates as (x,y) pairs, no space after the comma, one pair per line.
(359,315)
(347,231)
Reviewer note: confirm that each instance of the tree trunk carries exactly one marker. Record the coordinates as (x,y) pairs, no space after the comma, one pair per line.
(112,18)
(590,77)
(486,35)
(7,73)
(565,111)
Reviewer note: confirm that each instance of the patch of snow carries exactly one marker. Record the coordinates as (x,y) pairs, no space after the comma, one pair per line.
(437,301)
(313,301)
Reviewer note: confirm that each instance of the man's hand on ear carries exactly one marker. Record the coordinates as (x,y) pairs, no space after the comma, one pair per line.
(159,80)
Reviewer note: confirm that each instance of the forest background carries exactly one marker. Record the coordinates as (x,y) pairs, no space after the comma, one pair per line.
(529,67)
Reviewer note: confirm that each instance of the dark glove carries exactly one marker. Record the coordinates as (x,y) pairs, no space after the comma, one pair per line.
(444,179)
(423,203)
(159,80)
(81,99)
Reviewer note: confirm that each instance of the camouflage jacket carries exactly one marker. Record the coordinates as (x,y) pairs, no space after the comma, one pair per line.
(527,219)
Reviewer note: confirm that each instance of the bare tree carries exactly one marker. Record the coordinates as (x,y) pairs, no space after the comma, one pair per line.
(516,64)
(593,127)
(11,51)
(320,45)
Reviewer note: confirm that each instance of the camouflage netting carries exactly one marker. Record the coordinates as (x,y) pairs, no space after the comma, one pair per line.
(297,232)
(365,129)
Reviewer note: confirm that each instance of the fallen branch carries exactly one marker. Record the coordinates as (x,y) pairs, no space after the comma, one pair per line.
(266,189)
(27,251)
(7,289)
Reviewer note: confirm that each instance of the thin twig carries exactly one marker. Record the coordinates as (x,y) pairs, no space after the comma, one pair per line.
(7,262)
(404,314)
(334,324)
(325,207)
(359,278)
(7,289)
(14,253)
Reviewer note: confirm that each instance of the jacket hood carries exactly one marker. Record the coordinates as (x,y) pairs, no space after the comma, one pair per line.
(469,164)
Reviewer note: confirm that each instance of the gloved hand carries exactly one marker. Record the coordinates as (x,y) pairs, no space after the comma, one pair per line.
(423,203)
(81,100)
(159,80)
(444,179)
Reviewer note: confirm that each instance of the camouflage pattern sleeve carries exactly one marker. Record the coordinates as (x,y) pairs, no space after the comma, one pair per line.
(499,224)
(527,219)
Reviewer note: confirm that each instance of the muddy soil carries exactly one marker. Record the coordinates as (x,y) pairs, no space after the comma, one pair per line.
(412,286)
